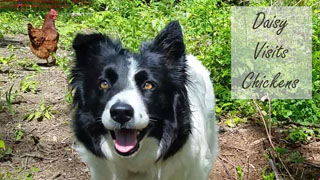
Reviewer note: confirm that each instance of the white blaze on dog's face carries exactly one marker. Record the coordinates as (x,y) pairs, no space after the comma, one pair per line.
(126,114)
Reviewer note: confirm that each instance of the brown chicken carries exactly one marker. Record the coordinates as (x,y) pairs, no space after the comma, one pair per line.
(44,41)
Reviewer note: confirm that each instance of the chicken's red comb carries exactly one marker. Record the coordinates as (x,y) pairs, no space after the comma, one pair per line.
(53,11)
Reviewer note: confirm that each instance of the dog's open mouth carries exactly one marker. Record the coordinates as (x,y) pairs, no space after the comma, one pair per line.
(126,141)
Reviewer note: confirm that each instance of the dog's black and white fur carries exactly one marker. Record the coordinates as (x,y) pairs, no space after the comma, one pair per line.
(146,116)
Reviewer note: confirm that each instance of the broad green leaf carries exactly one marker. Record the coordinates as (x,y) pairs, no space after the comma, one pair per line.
(2,144)
(230,123)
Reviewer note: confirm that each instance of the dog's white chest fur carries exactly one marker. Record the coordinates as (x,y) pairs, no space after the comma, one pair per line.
(192,162)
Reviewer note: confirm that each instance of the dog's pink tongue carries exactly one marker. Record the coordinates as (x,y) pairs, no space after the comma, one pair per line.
(126,140)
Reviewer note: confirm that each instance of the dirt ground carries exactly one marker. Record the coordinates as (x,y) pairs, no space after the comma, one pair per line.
(48,144)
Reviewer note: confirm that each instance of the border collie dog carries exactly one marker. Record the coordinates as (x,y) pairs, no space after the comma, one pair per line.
(143,116)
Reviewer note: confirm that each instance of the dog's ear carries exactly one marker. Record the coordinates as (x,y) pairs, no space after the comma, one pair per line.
(84,43)
(169,43)
(93,44)
(82,40)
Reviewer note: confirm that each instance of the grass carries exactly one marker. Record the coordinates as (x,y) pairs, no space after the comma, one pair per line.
(43,112)
(10,97)
(29,85)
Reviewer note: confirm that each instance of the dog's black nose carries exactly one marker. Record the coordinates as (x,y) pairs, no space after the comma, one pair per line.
(121,112)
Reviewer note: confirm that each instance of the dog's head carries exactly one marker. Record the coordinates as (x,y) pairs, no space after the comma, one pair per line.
(127,97)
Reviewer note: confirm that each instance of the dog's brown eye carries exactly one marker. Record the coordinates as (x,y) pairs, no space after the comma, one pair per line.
(147,86)
(104,85)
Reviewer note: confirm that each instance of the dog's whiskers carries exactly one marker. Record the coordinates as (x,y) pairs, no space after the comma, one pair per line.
(153,120)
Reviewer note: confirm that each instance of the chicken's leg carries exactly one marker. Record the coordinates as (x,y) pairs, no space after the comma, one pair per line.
(53,59)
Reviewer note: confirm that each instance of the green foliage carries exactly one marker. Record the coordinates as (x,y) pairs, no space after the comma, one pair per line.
(267,176)
(4,150)
(296,157)
(6,175)
(25,174)
(281,150)
(69,96)
(12,48)
(44,111)
(2,145)
(300,134)
(298,110)
(317,132)
(234,121)
(240,173)
(28,85)
(29,65)
(29,175)
(65,64)
(15,19)
(10,98)
(7,60)
(19,133)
